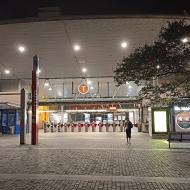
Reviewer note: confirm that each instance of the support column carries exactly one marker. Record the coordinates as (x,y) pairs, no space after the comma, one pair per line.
(23,116)
(35,92)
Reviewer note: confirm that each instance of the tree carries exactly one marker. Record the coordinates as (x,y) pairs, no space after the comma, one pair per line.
(161,68)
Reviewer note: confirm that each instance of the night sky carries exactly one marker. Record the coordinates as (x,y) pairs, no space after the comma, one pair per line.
(10,9)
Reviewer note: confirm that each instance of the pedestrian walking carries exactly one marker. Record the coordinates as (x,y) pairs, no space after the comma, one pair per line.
(128,127)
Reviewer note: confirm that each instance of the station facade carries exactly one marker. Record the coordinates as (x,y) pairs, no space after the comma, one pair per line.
(66,46)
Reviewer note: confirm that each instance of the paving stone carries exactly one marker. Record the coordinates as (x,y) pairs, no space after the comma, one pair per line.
(93,161)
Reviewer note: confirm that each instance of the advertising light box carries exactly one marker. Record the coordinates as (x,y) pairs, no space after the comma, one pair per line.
(160,121)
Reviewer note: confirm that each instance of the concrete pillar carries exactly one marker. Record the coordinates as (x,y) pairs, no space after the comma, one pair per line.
(23,115)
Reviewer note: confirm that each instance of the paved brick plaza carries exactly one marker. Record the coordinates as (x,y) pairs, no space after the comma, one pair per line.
(93,161)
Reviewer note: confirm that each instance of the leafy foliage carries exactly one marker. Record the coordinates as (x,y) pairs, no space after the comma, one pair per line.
(166,57)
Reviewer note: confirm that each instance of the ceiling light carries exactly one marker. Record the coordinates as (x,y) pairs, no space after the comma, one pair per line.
(157,66)
(84,70)
(89,82)
(21,49)
(124,44)
(130,87)
(76,47)
(39,71)
(184,40)
(50,88)
(7,71)
(46,84)
(92,88)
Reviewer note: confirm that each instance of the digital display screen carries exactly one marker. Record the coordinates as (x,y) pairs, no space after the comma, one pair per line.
(160,121)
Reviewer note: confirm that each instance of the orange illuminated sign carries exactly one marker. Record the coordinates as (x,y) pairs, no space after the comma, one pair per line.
(83,89)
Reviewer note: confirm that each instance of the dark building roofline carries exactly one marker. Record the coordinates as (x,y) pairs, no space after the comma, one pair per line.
(45,19)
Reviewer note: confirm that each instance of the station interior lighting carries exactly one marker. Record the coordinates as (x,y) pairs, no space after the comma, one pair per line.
(92,88)
(89,82)
(185,40)
(130,87)
(7,71)
(46,84)
(158,66)
(21,49)
(76,47)
(50,88)
(124,44)
(84,70)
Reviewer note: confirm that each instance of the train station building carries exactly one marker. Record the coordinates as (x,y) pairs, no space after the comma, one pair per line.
(58,92)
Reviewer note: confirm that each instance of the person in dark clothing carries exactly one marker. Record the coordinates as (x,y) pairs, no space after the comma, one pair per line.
(128,127)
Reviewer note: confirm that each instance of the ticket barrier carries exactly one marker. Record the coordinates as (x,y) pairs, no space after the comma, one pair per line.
(121,128)
(86,125)
(100,125)
(82,127)
(69,126)
(117,127)
(103,127)
(107,127)
(79,127)
(61,127)
(93,125)
(73,126)
(47,127)
(114,127)
(65,127)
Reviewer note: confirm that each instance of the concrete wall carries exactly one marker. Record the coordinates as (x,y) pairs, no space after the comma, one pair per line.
(15,99)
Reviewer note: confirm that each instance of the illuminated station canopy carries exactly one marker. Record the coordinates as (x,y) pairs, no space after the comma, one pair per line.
(66,46)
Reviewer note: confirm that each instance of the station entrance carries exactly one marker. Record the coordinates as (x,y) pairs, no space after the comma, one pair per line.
(87,117)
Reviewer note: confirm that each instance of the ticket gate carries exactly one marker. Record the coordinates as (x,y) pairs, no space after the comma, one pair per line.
(65,127)
(93,127)
(114,127)
(83,127)
(62,127)
(117,128)
(107,127)
(86,125)
(121,128)
(68,127)
(103,127)
(74,127)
